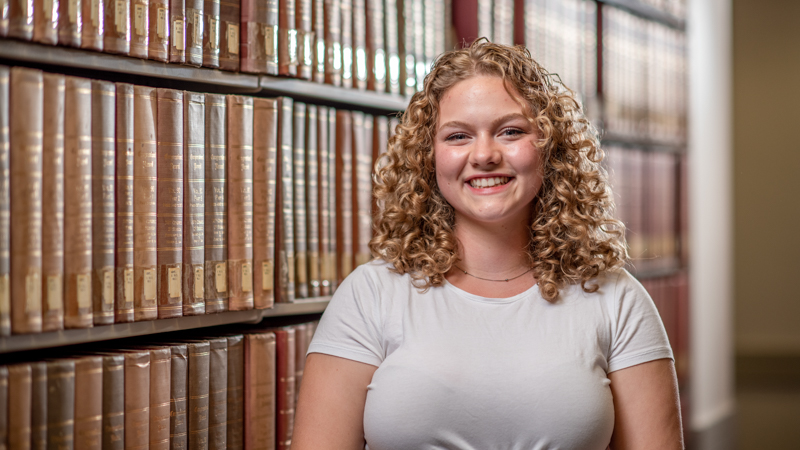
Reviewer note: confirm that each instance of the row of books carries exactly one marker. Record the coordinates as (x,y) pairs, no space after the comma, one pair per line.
(671,296)
(134,203)
(235,391)
(675,7)
(381,45)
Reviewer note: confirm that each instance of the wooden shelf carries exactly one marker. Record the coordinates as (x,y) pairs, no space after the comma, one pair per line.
(328,95)
(643,143)
(648,12)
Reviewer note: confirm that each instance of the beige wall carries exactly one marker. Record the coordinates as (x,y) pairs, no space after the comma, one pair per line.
(766,176)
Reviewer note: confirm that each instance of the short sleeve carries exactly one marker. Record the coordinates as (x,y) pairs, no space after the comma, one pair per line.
(351,326)
(639,334)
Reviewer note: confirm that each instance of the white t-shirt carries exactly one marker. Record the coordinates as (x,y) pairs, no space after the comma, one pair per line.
(460,371)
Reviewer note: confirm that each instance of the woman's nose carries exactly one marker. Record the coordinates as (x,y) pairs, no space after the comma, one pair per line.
(486,152)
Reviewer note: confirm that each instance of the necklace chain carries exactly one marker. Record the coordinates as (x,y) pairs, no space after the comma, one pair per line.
(488,279)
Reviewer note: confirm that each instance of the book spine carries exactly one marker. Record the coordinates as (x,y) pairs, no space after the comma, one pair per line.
(158,32)
(270,34)
(333,41)
(361,68)
(5,203)
(179,375)
(285,398)
(391,40)
(89,403)
(123,191)
(265,134)
(38,405)
(229,14)
(170,202)
(305,39)
(284,237)
(300,346)
(4,413)
(419,42)
(319,51)
(235,428)
(312,196)
(194,171)
(346,24)
(375,46)
(70,21)
(117,26)
(195,32)
(20,396)
(333,193)
(259,401)
(218,394)
(287,39)
(177,31)
(324,200)
(380,142)
(61,405)
(20,20)
(344,192)
(45,21)
(144,204)
(113,402)
(92,25)
(240,202)
(103,109)
(216,211)
(137,399)
(53,204)
(198,394)
(211,36)
(140,28)
(27,97)
(405,13)
(362,183)
(160,405)
(251,50)
(300,206)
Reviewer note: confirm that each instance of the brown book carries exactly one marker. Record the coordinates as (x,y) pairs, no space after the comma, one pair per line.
(284,208)
(285,398)
(333,193)
(78,203)
(38,405)
(53,204)
(20,20)
(333,41)
(170,202)
(300,347)
(114,402)
(103,152)
(4,407)
(211,33)
(312,195)
(235,431)
(376,46)
(117,26)
(3,22)
(140,28)
(144,204)
(305,39)
(178,401)
(287,39)
(319,51)
(61,405)
(158,32)
(5,204)
(240,202)
(346,24)
(137,398)
(362,184)
(45,21)
(300,204)
(361,67)
(419,43)
(216,201)
(229,16)
(380,142)
(88,431)
(70,21)
(324,214)
(218,394)
(198,394)
(177,31)
(194,32)
(160,405)
(19,401)
(92,24)
(255,36)
(392,42)
(27,97)
(265,136)
(259,380)
(344,192)
(194,201)
(123,191)
(405,25)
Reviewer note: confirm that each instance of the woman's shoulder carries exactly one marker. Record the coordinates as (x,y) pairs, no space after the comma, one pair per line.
(612,284)
(376,277)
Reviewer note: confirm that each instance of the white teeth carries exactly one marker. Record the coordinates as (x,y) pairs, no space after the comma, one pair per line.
(488,182)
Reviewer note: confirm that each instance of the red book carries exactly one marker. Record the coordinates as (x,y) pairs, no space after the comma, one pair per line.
(158,17)
(305,39)
(177,31)
(265,113)
(287,39)
(285,398)
(140,28)
(229,16)
(117,26)
(5,205)
(344,194)
(123,189)
(45,21)
(194,203)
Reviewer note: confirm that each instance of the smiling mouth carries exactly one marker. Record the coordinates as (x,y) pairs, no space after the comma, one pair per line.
(479,183)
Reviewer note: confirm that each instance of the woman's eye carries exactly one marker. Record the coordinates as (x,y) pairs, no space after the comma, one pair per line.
(456,137)
(512,132)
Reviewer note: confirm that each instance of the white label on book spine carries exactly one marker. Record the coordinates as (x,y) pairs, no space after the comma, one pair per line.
(266,276)
(213,33)
(33,291)
(291,39)
(178,38)
(121,17)
(161,23)
(72,7)
(221,277)
(5,295)
(108,287)
(197,30)
(49,14)
(199,291)
(96,5)
(128,286)
(55,289)
(270,40)
(139,20)
(149,277)
(233,39)
(174,282)
(308,48)
(84,290)
(247,277)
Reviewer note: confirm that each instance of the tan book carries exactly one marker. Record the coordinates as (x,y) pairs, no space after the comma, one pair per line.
(392,42)
(284,208)
(70,21)
(20,20)
(240,202)
(39,405)
(140,28)
(158,32)
(312,196)
(5,203)
(26,112)
(92,24)
(265,142)
(287,39)
(160,405)
(300,346)
(3,22)
(53,204)
(170,202)
(324,214)
(145,275)
(362,184)
(103,199)
(194,170)
(45,21)
(258,33)
(19,401)
(346,24)
(4,407)
(286,386)
(229,17)
(178,401)
(376,46)
(344,192)
(216,211)
(305,39)
(218,394)
(319,51)
(235,429)
(260,390)
(113,401)
(117,26)
(405,24)
(194,32)
(300,203)
(123,191)
(137,398)
(333,41)
(88,430)
(177,31)
(198,394)
(333,193)
(361,67)
(211,33)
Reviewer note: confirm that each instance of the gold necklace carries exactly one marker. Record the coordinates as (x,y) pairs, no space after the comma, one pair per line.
(487,279)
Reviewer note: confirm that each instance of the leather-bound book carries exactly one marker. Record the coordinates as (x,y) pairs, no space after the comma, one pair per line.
(287,39)
(229,16)
(140,28)
(380,142)
(137,398)
(285,398)
(194,32)
(503,18)
(305,39)
(211,33)
(419,43)
(284,208)
(88,431)
(300,347)
(70,21)
(405,25)
(344,192)
(194,170)
(235,431)
(300,204)
(117,26)
(61,405)
(216,211)
(19,406)
(5,204)
(178,401)
(259,381)
(177,31)
(20,19)
(27,97)
(113,401)
(333,193)
(103,181)
(158,32)
(160,405)
(312,195)
(198,394)
(333,41)
(253,53)
(92,24)
(145,261)
(39,405)
(346,24)
(53,204)
(240,202)
(170,203)
(3,22)
(324,214)
(376,46)
(362,184)
(45,21)
(218,394)
(123,191)
(392,41)
(78,203)
(4,407)
(361,67)
(265,141)
(319,51)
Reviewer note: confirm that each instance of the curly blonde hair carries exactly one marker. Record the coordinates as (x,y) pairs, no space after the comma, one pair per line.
(574,236)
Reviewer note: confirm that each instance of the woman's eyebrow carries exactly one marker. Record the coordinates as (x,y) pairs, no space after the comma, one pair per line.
(495,122)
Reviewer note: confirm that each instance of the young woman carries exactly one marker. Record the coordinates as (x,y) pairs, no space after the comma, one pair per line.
(496,314)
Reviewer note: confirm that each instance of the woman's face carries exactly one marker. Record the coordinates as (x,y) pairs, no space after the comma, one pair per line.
(487,166)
